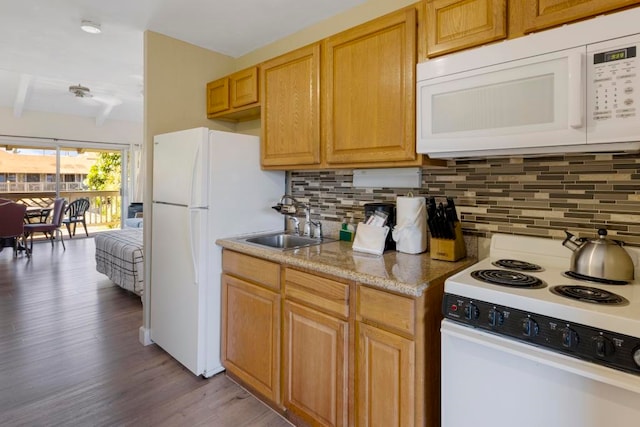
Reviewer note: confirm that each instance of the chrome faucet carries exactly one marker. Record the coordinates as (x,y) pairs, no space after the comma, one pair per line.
(291,209)
(308,222)
(296,223)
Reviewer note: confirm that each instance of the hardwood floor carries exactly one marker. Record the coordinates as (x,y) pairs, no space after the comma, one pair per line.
(69,354)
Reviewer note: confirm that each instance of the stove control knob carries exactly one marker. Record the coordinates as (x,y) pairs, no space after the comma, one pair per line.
(569,338)
(471,311)
(496,318)
(604,347)
(636,356)
(529,327)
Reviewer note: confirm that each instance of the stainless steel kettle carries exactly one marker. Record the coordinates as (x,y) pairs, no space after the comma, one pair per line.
(600,258)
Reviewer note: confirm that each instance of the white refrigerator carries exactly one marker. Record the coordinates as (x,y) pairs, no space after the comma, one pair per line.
(206,185)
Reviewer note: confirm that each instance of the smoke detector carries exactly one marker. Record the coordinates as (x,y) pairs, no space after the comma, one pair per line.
(80,91)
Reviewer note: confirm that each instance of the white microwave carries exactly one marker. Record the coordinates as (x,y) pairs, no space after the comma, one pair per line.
(570,89)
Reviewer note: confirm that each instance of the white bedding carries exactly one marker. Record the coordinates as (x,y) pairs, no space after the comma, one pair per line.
(119,255)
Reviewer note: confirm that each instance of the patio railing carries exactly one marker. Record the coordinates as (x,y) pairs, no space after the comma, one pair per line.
(104,206)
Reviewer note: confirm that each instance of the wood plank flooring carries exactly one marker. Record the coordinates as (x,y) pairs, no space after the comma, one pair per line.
(70,355)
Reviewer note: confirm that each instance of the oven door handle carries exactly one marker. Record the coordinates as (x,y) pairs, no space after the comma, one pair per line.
(579,367)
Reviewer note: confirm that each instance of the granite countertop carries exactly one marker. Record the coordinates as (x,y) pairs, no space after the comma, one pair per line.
(395,271)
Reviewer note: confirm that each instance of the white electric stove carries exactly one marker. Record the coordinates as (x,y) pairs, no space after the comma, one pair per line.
(516,350)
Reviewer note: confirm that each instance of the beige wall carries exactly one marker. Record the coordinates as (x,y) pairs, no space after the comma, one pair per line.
(176,75)
(175,78)
(355,16)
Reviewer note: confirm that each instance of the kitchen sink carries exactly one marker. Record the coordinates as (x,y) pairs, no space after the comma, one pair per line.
(285,241)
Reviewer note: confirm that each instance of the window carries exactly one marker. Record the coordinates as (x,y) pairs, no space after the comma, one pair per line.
(33,177)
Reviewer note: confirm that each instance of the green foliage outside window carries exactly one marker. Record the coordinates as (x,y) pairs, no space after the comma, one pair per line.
(105,175)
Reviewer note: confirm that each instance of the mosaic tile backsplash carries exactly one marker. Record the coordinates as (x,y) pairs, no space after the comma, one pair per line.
(529,196)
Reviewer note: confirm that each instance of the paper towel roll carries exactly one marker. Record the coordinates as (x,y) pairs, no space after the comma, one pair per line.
(410,232)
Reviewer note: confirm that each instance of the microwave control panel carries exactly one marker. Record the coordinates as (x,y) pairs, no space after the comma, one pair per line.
(614,84)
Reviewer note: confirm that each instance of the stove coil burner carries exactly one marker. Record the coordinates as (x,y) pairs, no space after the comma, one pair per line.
(579,276)
(515,264)
(589,294)
(513,279)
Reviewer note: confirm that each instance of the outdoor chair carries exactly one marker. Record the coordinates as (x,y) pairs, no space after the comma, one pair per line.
(75,214)
(53,227)
(12,224)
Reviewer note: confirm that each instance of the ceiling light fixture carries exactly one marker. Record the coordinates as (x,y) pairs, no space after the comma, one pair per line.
(80,91)
(90,27)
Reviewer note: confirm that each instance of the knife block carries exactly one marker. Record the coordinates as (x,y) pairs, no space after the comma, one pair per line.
(449,249)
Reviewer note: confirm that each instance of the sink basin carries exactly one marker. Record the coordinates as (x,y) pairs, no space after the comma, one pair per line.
(285,241)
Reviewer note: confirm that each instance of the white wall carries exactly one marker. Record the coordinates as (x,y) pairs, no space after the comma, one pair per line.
(62,126)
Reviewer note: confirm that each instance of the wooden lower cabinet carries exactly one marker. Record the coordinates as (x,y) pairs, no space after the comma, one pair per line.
(385,365)
(251,329)
(316,355)
(331,352)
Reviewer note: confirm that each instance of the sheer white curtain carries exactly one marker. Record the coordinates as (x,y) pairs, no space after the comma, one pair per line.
(138,170)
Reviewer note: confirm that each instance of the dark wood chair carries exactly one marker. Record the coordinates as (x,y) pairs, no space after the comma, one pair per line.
(52,228)
(75,214)
(12,224)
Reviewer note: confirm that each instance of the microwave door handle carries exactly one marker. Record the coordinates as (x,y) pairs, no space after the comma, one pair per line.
(576,91)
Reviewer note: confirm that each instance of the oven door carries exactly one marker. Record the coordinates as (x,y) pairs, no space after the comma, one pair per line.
(488,380)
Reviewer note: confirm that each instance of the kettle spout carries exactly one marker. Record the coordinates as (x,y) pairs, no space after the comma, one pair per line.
(572,242)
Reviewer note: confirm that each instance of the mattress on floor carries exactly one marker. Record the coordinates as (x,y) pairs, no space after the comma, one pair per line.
(119,255)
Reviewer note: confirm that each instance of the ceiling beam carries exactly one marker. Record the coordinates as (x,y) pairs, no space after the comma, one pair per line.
(104,114)
(21,94)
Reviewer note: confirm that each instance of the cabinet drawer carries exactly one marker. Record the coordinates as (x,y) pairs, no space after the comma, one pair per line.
(387,309)
(323,293)
(257,270)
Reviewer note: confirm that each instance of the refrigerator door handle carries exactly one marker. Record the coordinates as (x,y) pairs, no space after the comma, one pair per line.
(192,245)
(194,172)
(195,201)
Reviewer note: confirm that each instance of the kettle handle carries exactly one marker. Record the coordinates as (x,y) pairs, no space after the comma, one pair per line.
(569,242)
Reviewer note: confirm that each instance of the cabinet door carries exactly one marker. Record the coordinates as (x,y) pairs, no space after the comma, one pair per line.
(458,24)
(315,364)
(291,108)
(243,87)
(369,89)
(528,16)
(251,335)
(218,96)
(385,374)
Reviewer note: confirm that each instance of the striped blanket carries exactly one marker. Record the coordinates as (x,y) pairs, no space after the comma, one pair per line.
(119,255)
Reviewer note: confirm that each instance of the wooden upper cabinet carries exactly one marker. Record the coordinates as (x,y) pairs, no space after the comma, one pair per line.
(369,92)
(529,16)
(235,97)
(217,96)
(291,109)
(243,87)
(459,24)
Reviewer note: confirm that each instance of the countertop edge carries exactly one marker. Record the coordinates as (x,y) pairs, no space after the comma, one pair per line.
(391,284)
